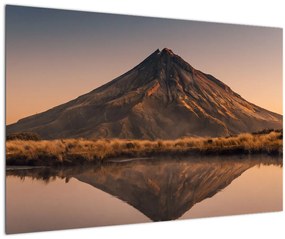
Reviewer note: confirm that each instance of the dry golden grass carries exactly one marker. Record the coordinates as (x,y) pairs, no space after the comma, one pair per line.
(74,151)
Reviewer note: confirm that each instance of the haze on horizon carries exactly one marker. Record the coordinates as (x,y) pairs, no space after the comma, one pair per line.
(53,56)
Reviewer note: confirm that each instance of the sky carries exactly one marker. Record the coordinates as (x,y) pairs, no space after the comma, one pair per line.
(54,56)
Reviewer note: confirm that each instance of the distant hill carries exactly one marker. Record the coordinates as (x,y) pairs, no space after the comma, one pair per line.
(162,97)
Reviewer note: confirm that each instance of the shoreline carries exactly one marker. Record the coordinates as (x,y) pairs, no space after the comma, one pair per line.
(50,162)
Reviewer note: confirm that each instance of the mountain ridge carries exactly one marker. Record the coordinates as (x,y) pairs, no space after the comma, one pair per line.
(148,102)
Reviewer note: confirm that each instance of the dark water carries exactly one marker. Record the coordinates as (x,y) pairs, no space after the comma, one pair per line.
(39,199)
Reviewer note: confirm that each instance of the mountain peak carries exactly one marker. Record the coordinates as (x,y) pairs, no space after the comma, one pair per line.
(167,51)
(164,52)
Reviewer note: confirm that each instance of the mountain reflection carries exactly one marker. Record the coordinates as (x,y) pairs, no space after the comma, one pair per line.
(162,189)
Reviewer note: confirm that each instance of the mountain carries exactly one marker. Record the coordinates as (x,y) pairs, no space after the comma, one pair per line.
(162,97)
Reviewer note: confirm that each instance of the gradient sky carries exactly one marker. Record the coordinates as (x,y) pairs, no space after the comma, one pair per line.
(53,56)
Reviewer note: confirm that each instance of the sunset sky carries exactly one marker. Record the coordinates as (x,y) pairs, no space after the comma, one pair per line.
(53,56)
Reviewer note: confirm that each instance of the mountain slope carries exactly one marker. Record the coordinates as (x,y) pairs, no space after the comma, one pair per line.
(162,97)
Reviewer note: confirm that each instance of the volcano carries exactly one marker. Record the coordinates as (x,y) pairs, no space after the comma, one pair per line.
(163,97)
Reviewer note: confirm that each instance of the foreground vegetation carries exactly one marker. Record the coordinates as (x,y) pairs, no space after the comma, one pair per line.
(79,151)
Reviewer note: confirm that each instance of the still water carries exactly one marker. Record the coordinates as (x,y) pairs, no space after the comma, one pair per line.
(39,199)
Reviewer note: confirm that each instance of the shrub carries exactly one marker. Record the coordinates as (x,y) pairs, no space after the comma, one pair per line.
(23,136)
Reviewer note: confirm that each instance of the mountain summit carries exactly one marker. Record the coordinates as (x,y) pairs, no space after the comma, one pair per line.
(162,97)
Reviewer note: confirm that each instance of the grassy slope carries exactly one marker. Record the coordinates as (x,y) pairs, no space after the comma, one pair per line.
(78,151)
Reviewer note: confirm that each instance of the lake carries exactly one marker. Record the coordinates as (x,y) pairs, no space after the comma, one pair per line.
(142,190)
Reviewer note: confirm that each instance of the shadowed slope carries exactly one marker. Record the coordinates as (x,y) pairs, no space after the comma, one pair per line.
(148,102)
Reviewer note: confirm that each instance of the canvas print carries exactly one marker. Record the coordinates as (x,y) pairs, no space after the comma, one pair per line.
(116,119)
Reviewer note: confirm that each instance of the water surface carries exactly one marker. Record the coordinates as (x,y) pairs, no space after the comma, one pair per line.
(39,199)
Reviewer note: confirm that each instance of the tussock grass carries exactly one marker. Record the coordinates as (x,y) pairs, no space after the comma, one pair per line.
(79,151)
